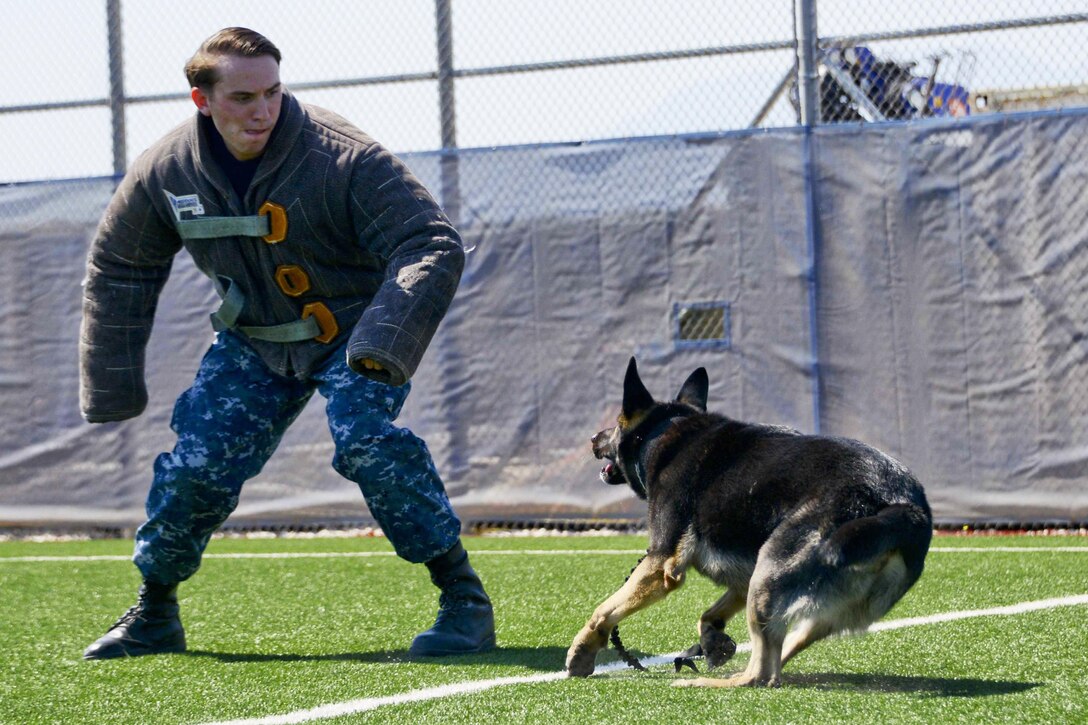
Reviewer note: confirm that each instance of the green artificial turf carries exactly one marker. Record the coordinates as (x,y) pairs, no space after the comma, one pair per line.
(270,636)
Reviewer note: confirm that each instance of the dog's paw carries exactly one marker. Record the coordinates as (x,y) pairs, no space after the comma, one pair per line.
(580,661)
(693,682)
(741,680)
(718,647)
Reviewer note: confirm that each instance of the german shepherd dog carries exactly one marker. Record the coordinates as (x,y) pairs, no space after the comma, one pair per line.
(811,535)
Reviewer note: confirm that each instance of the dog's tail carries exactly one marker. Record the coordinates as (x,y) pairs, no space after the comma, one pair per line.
(906,528)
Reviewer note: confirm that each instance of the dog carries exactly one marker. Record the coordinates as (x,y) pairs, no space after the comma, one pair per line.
(811,535)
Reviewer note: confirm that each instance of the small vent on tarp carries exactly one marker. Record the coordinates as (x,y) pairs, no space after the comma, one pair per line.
(701,324)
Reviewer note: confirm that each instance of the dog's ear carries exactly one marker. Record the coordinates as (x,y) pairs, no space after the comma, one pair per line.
(695,390)
(636,398)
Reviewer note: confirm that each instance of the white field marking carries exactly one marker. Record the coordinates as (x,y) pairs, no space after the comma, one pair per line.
(509,552)
(366,704)
(351,707)
(1012,609)
(1005,549)
(332,555)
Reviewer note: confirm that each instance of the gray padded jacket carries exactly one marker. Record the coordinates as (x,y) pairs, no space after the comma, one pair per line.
(367,256)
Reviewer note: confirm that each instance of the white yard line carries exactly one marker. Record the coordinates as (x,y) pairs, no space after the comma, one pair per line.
(366,704)
(511,552)
(334,555)
(1006,549)
(351,707)
(1012,609)
(344,554)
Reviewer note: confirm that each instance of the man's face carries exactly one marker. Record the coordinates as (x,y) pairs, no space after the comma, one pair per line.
(245,104)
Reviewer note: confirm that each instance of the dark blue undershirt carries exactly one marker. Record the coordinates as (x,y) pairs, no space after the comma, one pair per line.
(240,173)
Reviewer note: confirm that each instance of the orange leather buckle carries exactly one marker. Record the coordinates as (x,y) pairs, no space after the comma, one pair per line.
(292,279)
(325,320)
(277,221)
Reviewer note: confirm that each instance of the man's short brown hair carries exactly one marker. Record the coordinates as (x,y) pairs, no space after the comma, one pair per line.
(202,71)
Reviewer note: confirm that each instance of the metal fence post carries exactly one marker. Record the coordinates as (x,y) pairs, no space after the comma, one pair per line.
(117,85)
(808,82)
(451,185)
(450,348)
(807,70)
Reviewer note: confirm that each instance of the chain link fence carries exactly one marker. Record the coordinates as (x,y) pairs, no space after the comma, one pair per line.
(103,78)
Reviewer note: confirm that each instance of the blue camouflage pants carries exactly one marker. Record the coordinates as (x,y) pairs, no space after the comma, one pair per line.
(228,425)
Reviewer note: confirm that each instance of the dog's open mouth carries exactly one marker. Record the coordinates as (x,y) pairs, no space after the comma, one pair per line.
(612,475)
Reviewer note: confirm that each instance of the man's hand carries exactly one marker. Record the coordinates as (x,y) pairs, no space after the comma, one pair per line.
(382,372)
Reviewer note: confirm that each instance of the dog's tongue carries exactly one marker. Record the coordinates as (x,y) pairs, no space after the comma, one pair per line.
(607,470)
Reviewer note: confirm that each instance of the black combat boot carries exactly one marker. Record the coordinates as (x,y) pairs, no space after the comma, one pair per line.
(465,624)
(151,627)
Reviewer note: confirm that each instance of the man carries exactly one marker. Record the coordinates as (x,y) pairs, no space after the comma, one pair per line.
(335,267)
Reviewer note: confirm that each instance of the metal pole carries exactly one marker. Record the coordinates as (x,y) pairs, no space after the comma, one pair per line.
(808,73)
(117,85)
(779,89)
(451,191)
(450,348)
(808,83)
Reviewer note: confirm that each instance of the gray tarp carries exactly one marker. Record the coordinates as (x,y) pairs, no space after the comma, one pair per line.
(949,304)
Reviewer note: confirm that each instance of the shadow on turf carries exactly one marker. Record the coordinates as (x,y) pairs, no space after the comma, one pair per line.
(925,686)
(545,659)
(549,659)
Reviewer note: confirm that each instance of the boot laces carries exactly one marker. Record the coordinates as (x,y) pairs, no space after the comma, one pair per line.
(454,601)
(450,604)
(134,613)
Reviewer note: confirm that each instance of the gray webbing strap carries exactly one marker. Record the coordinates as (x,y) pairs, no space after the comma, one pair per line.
(295,331)
(226,318)
(213,227)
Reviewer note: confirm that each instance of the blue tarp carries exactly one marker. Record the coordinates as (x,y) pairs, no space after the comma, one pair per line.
(948,324)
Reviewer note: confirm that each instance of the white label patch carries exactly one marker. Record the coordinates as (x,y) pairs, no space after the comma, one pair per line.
(181,204)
